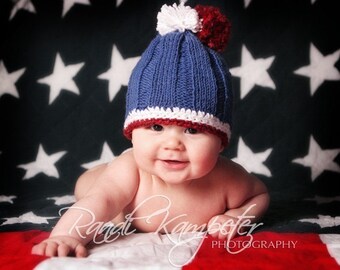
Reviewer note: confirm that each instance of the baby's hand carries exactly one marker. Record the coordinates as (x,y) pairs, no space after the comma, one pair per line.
(60,246)
(223,226)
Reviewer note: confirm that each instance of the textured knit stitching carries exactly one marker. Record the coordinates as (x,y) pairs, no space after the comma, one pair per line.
(178,71)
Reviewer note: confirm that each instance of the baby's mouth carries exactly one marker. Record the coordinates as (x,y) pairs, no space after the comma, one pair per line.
(175,164)
(173,161)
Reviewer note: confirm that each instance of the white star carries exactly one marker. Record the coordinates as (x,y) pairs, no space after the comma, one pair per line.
(119,2)
(321,68)
(67,199)
(323,221)
(321,200)
(9,199)
(43,164)
(8,80)
(319,160)
(68,4)
(22,4)
(253,71)
(61,78)
(105,157)
(119,73)
(246,3)
(29,217)
(250,161)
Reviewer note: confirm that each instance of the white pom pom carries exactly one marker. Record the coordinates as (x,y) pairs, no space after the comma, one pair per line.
(177,18)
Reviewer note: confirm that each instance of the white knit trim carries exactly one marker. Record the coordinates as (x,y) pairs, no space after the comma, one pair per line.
(179,114)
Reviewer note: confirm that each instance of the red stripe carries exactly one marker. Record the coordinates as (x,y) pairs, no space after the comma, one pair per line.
(309,252)
(265,253)
(15,249)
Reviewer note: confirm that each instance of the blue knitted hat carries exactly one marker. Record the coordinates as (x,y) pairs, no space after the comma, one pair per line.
(179,80)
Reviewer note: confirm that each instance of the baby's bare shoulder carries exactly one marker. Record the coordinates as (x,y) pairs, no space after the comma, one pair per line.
(120,173)
(237,184)
(230,171)
(123,165)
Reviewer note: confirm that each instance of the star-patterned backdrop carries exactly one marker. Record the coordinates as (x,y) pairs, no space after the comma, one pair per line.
(64,70)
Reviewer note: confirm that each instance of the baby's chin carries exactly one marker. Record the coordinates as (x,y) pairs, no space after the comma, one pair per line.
(177,176)
(173,179)
(179,180)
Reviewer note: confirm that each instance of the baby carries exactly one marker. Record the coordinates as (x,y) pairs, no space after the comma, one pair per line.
(178,117)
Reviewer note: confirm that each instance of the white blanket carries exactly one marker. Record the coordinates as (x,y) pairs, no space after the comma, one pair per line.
(135,251)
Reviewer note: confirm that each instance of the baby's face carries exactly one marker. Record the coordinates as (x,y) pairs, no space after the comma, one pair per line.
(175,154)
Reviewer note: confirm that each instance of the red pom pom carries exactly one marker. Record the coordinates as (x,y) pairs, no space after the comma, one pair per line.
(215,27)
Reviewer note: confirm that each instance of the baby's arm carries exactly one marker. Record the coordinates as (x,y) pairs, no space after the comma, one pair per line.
(247,200)
(111,192)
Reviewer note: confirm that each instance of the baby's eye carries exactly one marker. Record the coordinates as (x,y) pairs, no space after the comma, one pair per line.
(156,127)
(191,131)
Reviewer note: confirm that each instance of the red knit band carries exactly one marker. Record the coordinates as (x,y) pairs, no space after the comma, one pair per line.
(187,124)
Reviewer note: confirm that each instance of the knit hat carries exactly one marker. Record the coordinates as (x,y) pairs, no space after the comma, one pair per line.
(181,79)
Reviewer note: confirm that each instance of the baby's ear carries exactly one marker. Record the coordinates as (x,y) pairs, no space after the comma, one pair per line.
(222,147)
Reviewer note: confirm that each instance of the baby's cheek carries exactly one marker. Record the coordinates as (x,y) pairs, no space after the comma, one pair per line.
(206,162)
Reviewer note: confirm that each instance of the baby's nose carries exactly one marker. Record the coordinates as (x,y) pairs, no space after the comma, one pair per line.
(173,142)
